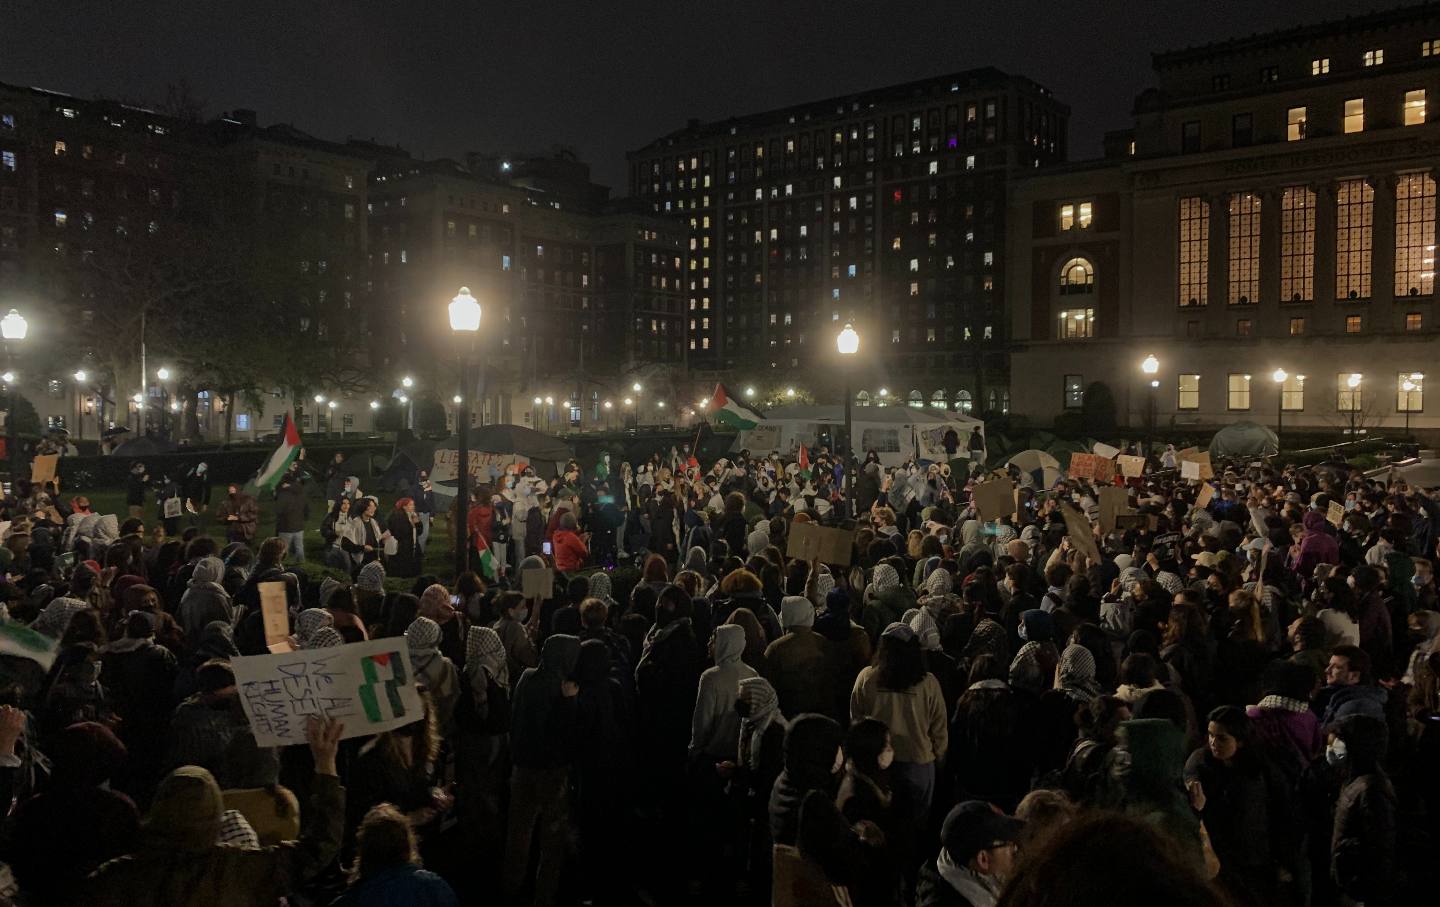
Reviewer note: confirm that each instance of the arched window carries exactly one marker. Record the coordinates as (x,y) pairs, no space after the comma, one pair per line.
(937,399)
(1077,276)
(992,401)
(917,399)
(963,402)
(862,398)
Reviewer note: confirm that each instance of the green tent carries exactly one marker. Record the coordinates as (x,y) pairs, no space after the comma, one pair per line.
(1244,439)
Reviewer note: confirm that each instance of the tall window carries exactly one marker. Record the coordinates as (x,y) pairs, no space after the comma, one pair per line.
(1074,391)
(1076,276)
(1297,327)
(1297,245)
(1077,324)
(1194,251)
(1190,136)
(1239,392)
(1414,321)
(1087,210)
(1430,48)
(1292,393)
(1415,107)
(1295,124)
(1187,392)
(1067,219)
(1347,398)
(1412,400)
(1244,248)
(1414,234)
(1355,115)
(1354,227)
(1319,66)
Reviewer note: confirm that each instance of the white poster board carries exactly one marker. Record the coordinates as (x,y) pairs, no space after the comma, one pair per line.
(369,686)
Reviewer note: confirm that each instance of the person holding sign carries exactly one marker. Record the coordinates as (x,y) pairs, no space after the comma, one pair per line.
(178,856)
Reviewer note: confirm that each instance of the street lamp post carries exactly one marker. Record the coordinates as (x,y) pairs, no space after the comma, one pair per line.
(1150,366)
(80,378)
(465,323)
(1279,376)
(1353,382)
(163,375)
(13,328)
(637,388)
(847,342)
(1412,384)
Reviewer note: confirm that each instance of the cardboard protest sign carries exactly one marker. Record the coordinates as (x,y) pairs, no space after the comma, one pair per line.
(1082,466)
(42,468)
(1113,502)
(994,499)
(1335,514)
(1105,450)
(1104,470)
(1206,495)
(1131,467)
(537,582)
(369,686)
(275,616)
(1190,470)
(1077,529)
(809,542)
(1199,457)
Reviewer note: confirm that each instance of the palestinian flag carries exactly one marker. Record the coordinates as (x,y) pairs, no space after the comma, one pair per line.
(804,462)
(22,642)
(284,455)
(731,411)
(486,559)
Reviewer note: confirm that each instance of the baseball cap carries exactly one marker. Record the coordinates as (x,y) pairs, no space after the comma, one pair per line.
(973,826)
(1206,559)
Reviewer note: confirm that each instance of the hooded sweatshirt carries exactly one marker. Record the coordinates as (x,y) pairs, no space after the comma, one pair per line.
(715,727)
(1316,546)
(812,745)
(542,717)
(796,663)
(205,600)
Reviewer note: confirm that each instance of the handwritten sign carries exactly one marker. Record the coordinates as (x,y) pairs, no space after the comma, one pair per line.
(537,582)
(1335,514)
(1202,460)
(42,468)
(1206,495)
(994,499)
(275,616)
(369,686)
(1131,467)
(1190,470)
(1082,465)
(831,546)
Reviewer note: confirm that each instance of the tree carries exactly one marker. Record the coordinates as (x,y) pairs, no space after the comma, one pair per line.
(1098,409)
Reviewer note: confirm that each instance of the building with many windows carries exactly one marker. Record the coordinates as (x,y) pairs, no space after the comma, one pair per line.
(884,208)
(1266,231)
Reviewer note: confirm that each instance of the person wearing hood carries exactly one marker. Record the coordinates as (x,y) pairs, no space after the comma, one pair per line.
(542,748)
(990,756)
(1055,714)
(139,677)
(433,670)
(715,726)
(977,857)
(205,600)
(76,822)
(1034,665)
(760,758)
(482,715)
(239,513)
(203,725)
(796,664)
(813,759)
(1317,546)
(603,762)
(900,692)
(176,860)
(1149,763)
(1363,843)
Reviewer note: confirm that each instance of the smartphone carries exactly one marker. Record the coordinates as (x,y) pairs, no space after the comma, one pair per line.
(545,548)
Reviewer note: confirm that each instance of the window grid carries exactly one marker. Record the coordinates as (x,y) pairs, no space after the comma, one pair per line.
(1414,321)
(1353,324)
(1074,391)
(1411,401)
(1076,277)
(1194,251)
(1415,107)
(1244,248)
(1077,324)
(1297,245)
(1239,392)
(1354,223)
(1295,124)
(1187,392)
(1355,115)
(1347,399)
(1297,327)
(1414,234)
(1292,394)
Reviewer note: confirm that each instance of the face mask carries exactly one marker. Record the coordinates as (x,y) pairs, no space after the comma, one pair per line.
(1350,581)
(1417,580)
(887,756)
(1336,752)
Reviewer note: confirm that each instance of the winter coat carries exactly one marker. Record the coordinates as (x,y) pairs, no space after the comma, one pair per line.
(393,886)
(246,508)
(406,559)
(569,551)
(203,603)
(1363,845)
(667,681)
(797,667)
(1248,812)
(291,507)
(919,727)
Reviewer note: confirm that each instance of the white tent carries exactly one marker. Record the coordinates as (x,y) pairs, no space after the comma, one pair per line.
(893,432)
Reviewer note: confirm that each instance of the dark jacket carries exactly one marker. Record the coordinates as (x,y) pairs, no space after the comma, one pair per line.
(406,559)
(934,891)
(399,886)
(1248,813)
(292,509)
(1363,844)
(542,718)
(811,742)
(667,681)
(798,668)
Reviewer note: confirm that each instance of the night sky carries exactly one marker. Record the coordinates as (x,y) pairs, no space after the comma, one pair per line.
(440,77)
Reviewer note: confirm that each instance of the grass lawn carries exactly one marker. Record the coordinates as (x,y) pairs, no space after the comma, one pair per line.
(439,553)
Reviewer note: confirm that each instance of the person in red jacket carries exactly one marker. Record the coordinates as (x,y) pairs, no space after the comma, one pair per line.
(569,547)
(480,522)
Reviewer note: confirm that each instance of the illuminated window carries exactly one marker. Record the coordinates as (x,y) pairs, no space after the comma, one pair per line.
(1067,217)
(1347,398)
(1415,107)
(1355,115)
(1243,327)
(1295,124)
(1074,391)
(1319,66)
(1297,245)
(914,264)
(1194,251)
(1414,321)
(916,400)
(1297,327)
(1413,399)
(1354,214)
(1353,324)
(1374,57)
(1414,234)
(1430,48)
(60,218)
(1077,324)
(1076,276)
(59,147)
(1244,248)
(1239,392)
(1086,214)
(969,162)
(1292,393)
(1187,392)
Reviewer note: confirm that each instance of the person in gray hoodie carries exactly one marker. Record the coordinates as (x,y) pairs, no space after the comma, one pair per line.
(205,600)
(715,727)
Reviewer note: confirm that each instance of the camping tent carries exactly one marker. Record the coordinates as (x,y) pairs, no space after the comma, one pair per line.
(492,449)
(1244,439)
(896,433)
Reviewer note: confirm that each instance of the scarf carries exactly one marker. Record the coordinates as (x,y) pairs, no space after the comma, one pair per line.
(764,711)
(483,649)
(324,638)
(1026,672)
(979,890)
(1283,704)
(311,621)
(1076,677)
(988,638)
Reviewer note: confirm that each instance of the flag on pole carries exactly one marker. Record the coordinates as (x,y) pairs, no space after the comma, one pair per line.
(279,464)
(486,559)
(804,462)
(731,411)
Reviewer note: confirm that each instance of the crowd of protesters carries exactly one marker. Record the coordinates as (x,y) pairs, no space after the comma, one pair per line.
(1228,704)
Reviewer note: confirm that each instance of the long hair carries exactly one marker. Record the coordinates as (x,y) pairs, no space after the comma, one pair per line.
(1186,627)
(384,840)
(899,663)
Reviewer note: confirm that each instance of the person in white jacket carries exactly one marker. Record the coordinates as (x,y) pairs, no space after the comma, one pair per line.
(715,726)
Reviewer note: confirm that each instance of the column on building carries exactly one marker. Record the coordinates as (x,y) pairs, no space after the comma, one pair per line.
(1324,316)
(1270,319)
(1217,320)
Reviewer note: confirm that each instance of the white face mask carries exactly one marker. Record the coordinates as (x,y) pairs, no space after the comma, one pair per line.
(887,756)
(1336,752)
